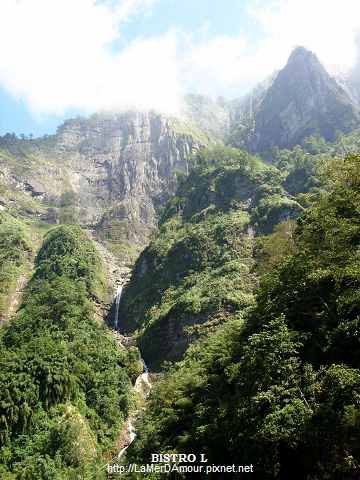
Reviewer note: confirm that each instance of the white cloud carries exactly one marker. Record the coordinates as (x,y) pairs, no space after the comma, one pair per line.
(215,62)
(56,58)
(223,63)
(55,54)
(144,75)
(326,28)
(125,9)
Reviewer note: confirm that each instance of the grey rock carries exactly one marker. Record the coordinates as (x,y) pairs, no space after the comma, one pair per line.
(303,100)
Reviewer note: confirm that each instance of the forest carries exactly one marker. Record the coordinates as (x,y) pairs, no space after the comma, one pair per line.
(65,387)
(245,305)
(277,384)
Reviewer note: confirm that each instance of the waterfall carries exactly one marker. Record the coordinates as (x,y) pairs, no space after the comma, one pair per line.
(117,303)
(132,436)
(144,375)
(132,433)
(145,366)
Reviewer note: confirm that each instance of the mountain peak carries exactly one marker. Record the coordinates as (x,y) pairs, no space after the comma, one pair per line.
(297,53)
(303,100)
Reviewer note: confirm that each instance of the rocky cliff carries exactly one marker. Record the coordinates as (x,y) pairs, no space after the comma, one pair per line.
(123,168)
(109,173)
(196,272)
(303,100)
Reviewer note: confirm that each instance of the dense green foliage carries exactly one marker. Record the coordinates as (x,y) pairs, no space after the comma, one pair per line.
(279,386)
(15,249)
(65,387)
(299,165)
(198,264)
(273,379)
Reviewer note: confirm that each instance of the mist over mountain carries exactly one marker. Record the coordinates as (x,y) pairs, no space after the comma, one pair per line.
(112,171)
(304,100)
(350,79)
(230,238)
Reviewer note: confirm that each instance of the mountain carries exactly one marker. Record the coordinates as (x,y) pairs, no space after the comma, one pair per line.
(276,389)
(196,272)
(65,385)
(247,288)
(303,100)
(109,173)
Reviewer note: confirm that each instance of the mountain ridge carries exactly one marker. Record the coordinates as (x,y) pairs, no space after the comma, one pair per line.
(248,289)
(303,100)
(111,172)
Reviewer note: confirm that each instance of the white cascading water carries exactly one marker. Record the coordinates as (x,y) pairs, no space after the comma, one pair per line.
(117,303)
(145,366)
(144,375)
(132,436)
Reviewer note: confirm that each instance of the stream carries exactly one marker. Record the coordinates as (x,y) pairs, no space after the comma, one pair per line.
(132,436)
(144,375)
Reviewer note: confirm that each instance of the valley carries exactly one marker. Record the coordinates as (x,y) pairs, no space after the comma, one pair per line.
(219,250)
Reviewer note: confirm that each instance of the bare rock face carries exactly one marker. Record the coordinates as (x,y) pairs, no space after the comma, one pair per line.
(109,173)
(303,100)
(122,169)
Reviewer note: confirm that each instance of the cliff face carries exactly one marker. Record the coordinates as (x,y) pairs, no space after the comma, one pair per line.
(196,272)
(112,172)
(107,173)
(122,169)
(303,100)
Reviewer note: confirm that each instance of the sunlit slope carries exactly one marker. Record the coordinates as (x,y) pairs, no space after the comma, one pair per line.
(278,387)
(196,272)
(65,387)
(15,252)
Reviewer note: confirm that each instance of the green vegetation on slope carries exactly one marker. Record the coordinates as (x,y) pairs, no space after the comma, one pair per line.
(65,387)
(15,249)
(206,119)
(279,387)
(196,271)
(25,166)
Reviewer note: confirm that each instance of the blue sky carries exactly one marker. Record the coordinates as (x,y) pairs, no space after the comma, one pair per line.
(81,56)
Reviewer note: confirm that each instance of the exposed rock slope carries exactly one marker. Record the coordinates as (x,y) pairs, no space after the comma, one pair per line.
(125,170)
(303,100)
(110,173)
